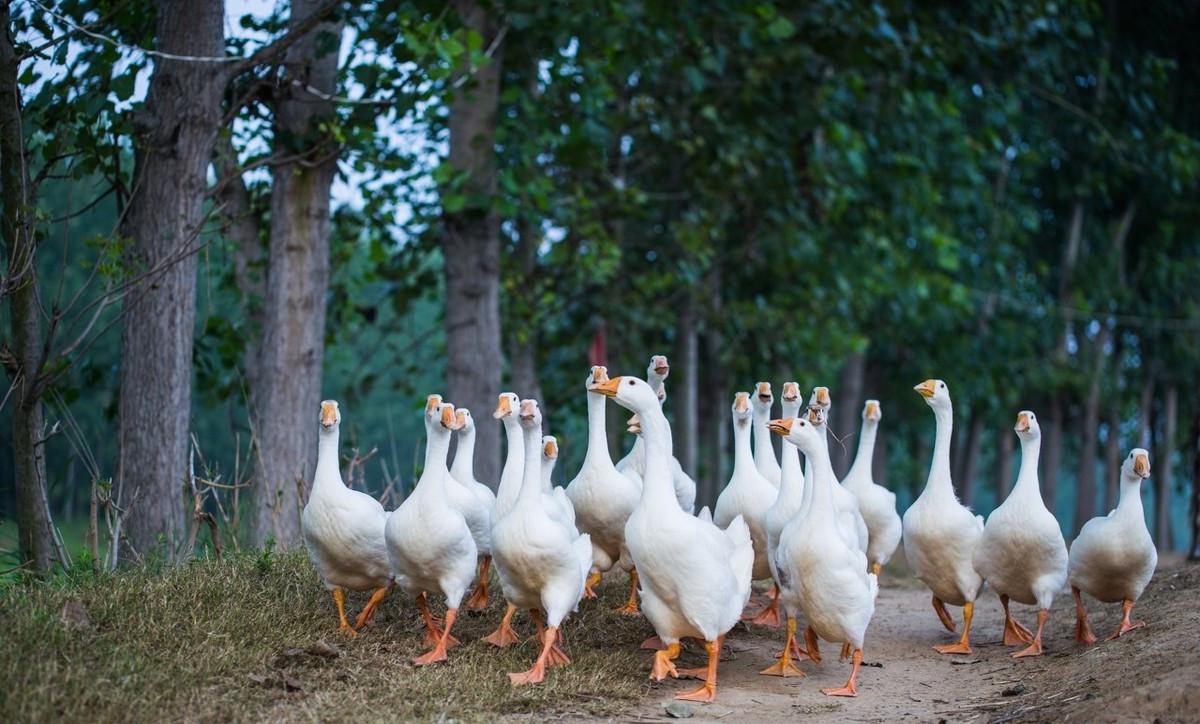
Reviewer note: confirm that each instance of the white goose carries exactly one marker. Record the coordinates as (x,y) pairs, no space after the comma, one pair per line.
(1113,558)
(786,507)
(845,502)
(542,562)
(429,543)
(603,498)
(343,529)
(695,577)
(764,452)
(479,516)
(821,572)
(1021,553)
(560,504)
(748,495)
(876,503)
(633,465)
(940,533)
(514,462)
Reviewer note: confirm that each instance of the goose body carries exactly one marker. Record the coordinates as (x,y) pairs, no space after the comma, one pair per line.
(876,503)
(695,577)
(463,467)
(1021,553)
(463,497)
(343,528)
(791,481)
(514,461)
(748,495)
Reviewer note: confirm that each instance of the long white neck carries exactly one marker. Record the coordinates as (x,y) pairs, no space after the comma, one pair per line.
(1130,502)
(514,463)
(328,469)
(463,468)
(743,456)
(764,453)
(1027,478)
(866,450)
(597,447)
(791,475)
(436,448)
(823,482)
(939,470)
(548,474)
(658,488)
(531,482)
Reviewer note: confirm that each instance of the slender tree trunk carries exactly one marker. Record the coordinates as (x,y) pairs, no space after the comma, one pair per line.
(1194,550)
(1145,435)
(1004,461)
(716,401)
(471,245)
(1112,457)
(1085,494)
(524,338)
(1058,405)
(687,418)
(847,418)
(34,533)
(1053,457)
(293,342)
(174,140)
(1165,481)
(970,455)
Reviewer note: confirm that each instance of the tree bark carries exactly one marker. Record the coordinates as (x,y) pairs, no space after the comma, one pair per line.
(1194,550)
(1058,404)
(1085,493)
(34,527)
(687,417)
(846,417)
(173,144)
(524,337)
(1004,479)
(471,244)
(1165,482)
(1112,457)
(293,342)
(970,458)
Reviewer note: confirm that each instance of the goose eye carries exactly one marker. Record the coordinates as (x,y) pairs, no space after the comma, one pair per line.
(631,382)
(941,384)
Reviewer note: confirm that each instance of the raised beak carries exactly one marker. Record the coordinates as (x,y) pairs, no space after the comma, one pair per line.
(782,426)
(822,396)
(763,389)
(528,407)
(550,449)
(634,425)
(1141,465)
(872,411)
(503,407)
(460,418)
(431,403)
(791,391)
(926,388)
(1022,422)
(328,415)
(659,363)
(609,387)
(741,402)
(599,374)
(449,419)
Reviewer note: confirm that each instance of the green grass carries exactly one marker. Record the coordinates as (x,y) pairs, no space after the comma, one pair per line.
(209,640)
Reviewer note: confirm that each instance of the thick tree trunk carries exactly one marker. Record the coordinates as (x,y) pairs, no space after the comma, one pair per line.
(846,418)
(293,342)
(471,245)
(1085,493)
(1004,461)
(687,418)
(34,533)
(1165,480)
(174,140)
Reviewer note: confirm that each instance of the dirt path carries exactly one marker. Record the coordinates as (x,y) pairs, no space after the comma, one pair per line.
(907,680)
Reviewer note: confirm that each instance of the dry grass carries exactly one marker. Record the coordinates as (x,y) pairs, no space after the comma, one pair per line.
(215,641)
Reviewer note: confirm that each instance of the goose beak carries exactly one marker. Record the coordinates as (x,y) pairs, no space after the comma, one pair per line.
(503,407)
(328,414)
(1022,422)
(460,417)
(659,363)
(634,425)
(814,414)
(609,387)
(550,448)
(821,394)
(926,388)
(431,403)
(782,426)
(872,410)
(1141,465)
(763,389)
(599,375)
(741,402)
(528,408)
(791,391)
(449,419)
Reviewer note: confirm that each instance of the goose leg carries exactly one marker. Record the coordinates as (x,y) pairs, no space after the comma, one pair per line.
(706,692)
(444,642)
(504,635)
(769,614)
(876,568)
(557,657)
(1035,646)
(943,615)
(631,606)
(434,631)
(1126,624)
(785,667)
(814,649)
(1014,633)
(847,650)
(339,598)
(589,586)
(479,598)
(849,689)
(368,613)
(1083,632)
(664,663)
(964,644)
(538,672)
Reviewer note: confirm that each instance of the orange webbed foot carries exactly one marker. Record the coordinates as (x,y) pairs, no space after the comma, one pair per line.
(533,676)
(850,690)
(705,693)
(1125,628)
(1016,634)
(654,643)
(503,636)
(768,616)
(1083,632)
(589,586)
(557,657)
(479,599)
(955,648)
(348,630)
(629,609)
(663,664)
(784,667)
(432,657)
(1034,649)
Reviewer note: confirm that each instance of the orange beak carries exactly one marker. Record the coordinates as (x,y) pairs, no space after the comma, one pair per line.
(527,409)
(926,388)
(822,396)
(814,414)
(449,419)
(741,402)
(460,417)
(503,407)
(599,374)
(608,388)
(550,449)
(659,362)
(328,414)
(1022,423)
(872,411)
(431,403)
(1141,465)
(791,391)
(764,390)
(782,426)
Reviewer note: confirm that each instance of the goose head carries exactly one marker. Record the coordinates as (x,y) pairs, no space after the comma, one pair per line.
(331,416)
(598,375)
(1136,465)
(742,413)
(763,399)
(465,422)
(820,398)
(798,431)
(1027,426)
(872,411)
(530,414)
(506,405)
(447,417)
(629,392)
(550,447)
(816,416)
(656,375)
(935,392)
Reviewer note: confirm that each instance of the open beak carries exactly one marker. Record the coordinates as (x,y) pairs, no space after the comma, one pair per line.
(926,388)
(449,419)
(1022,423)
(741,402)
(782,426)
(328,415)
(1141,466)
(634,425)
(764,391)
(822,396)
(872,411)
(599,375)
(609,387)
(550,449)
(460,417)
(527,409)
(661,368)
(503,407)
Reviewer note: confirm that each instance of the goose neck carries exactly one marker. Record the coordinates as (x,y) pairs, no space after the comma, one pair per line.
(866,448)
(743,456)
(435,456)
(658,488)
(939,470)
(1130,501)
(1027,476)
(531,482)
(463,467)
(597,447)
(328,468)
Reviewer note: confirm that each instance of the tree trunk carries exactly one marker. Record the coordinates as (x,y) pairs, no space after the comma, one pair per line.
(1085,493)
(687,417)
(1165,481)
(1145,434)
(970,458)
(1004,477)
(1058,404)
(174,137)
(846,417)
(1194,551)
(1112,457)
(471,245)
(524,337)
(293,341)
(1053,457)
(34,532)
